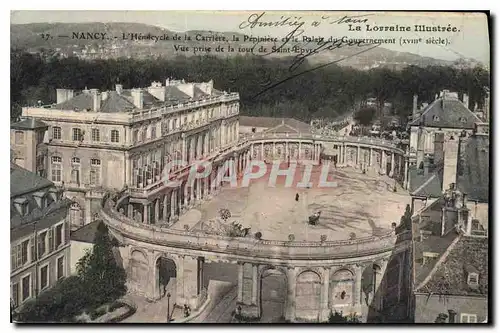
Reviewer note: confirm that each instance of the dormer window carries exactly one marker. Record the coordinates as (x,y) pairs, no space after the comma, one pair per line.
(462,119)
(436,118)
(40,199)
(21,205)
(473,279)
(54,194)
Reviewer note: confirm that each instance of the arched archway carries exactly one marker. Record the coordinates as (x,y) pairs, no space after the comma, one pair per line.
(138,271)
(342,289)
(166,275)
(308,296)
(273,295)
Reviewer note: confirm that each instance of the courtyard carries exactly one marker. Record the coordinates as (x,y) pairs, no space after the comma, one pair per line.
(360,205)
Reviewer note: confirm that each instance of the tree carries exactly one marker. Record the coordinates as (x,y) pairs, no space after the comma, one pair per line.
(365,115)
(337,317)
(99,271)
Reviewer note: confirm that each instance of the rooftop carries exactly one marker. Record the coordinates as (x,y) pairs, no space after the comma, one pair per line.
(24,181)
(359,204)
(85,234)
(423,185)
(447,111)
(28,124)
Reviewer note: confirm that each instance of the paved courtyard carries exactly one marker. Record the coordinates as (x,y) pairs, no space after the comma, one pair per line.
(360,203)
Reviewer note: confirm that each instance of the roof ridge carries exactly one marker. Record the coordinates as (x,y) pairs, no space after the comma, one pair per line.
(440,261)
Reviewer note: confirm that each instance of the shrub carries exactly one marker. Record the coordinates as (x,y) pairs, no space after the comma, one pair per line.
(291,237)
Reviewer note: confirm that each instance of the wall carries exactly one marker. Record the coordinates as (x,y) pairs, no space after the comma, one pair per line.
(78,250)
(428,308)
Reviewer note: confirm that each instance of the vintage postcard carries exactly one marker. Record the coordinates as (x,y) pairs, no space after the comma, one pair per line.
(249,167)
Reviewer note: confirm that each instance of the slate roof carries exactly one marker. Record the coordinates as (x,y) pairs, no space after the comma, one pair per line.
(267,122)
(24,184)
(24,181)
(474,168)
(28,123)
(426,186)
(123,102)
(469,254)
(446,113)
(85,234)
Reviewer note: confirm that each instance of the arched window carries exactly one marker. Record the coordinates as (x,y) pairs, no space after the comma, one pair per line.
(75,215)
(95,171)
(75,170)
(56,168)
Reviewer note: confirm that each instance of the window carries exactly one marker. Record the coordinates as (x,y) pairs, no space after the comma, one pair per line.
(26,287)
(468,318)
(96,135)
(135,136)
(472,279)
(115,136)
(16,258)
(95,171)
(75,170)
(59,237)
(44,277)
(19,137)
(75,214)
(24,251)
(15,294)
(56,168)
(153,132)
(77,134)
(56,133)
(60,268)
(143,135)
(42,246)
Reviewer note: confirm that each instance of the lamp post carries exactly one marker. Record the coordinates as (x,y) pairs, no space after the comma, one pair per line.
(168,307)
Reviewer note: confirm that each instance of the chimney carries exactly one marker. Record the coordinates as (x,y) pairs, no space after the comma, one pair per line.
(420,146)
(466,100)
(438,148)
(138,98)
(119,89)
(415,106)
(426,167)
(96,100)
(451,317)
(450,163)
(63,95)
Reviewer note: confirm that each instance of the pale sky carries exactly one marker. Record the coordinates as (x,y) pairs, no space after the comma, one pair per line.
(471,41)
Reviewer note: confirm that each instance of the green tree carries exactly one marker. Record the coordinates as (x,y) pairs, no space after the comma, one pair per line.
(99,271)
(365,115)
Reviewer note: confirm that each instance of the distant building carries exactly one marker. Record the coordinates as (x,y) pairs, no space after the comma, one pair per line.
(272,125)
(450,239)
(39,235)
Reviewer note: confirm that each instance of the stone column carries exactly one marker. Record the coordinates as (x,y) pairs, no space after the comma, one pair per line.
(383,162)
(165,208)
(392,165)
(128,172)
(300,151)
(255,284)
(370,161)
(406,175)
(358,270)
(130,211)
(187,282)
(240,282)
(186,195)
(325,284)
(251,149)
(291,279)
(145,215)
(157,210)
(262,156)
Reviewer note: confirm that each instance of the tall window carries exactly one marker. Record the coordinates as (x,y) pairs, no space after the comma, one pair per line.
(153,132)
(468,318)
(115,136)
(77,134)
(60,268)
(15,294)
(24,251)
(75,170)
(56,168)
(26,287)
(16,256)
(56,133)
(135,136)
(59,237)
(96,135)
(44,277)
(19,137)
(75,214)
(95,171)
(42,246)
(143,135)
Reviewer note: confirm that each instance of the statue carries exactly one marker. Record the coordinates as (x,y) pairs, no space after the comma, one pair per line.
(313,219)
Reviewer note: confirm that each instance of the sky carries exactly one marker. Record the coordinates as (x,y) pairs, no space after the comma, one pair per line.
(470,41)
